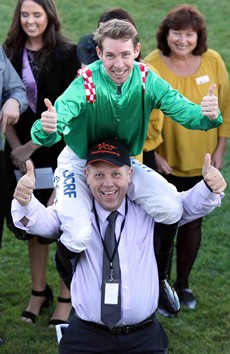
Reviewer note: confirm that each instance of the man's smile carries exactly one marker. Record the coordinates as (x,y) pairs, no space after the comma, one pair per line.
(109,193)
(119,73)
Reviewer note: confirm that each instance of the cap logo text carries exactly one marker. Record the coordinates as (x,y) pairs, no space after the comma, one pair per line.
(105,146)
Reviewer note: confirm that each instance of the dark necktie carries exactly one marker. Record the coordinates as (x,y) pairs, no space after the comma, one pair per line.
(110,313)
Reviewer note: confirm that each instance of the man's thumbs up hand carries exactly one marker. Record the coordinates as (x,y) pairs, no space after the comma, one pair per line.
(211,90)
(49,118)
(24,189)
(49,105)
(209,104)
(212,176)
(206,165)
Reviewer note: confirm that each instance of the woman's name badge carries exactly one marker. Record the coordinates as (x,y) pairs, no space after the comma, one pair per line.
(202,80)
(111,292)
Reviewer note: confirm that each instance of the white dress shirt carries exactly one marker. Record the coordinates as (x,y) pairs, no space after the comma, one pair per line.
(139,275)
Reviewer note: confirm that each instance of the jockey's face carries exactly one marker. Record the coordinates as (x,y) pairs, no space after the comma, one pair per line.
(118,57)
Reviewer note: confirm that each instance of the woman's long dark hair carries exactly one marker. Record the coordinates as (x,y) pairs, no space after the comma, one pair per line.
(16,37)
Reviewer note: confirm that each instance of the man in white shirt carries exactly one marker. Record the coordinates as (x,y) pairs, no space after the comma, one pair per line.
(109,172)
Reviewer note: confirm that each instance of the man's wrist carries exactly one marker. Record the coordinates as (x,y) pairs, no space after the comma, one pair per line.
(207,185)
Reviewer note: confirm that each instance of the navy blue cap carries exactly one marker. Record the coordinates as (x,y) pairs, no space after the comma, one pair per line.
(111,151)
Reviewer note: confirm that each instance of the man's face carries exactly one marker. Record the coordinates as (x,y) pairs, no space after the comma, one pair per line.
(118,58)
(108,184)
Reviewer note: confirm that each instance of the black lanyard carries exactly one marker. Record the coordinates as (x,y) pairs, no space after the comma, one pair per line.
(117,241)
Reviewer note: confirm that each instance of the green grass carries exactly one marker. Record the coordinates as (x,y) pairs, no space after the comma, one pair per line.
(203,331)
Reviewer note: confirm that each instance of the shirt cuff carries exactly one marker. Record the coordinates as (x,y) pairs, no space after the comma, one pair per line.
(19,212)
(207,191)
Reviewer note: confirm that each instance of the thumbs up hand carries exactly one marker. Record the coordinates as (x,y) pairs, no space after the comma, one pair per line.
(24,189)
(49,118)
(209,104)
(211,90)
(212,176)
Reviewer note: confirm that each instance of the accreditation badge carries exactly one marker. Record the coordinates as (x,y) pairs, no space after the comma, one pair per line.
(111,291)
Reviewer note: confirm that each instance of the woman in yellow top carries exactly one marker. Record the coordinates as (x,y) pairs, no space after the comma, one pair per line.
(183,59)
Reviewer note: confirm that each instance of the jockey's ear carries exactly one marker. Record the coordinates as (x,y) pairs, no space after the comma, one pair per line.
(99,52)
(137,50)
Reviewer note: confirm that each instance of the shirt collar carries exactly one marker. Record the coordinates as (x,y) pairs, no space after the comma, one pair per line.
(103,214)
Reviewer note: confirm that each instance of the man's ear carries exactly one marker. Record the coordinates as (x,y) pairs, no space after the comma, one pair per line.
(86,174)
(130,173)
(99,53)
(137,50)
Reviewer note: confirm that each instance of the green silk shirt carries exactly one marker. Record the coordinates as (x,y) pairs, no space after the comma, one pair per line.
(121,113)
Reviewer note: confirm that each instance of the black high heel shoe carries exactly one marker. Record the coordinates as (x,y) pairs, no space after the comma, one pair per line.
(48,293)
(56,321)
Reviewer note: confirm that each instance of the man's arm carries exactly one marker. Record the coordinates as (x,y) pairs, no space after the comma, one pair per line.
(212,176)
(56,121)
(209,104)
(183,111)
(205,196)
(28,213)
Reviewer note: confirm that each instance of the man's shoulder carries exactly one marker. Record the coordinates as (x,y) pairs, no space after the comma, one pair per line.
(138,222)
(91,69)
(95,66)
(145,69)
(136,209)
